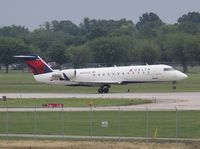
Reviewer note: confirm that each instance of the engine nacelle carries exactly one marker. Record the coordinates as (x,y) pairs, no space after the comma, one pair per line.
(70,73)
(56,76)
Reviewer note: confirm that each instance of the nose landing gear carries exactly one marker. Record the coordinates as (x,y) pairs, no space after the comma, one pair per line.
(104,89)
(174,85)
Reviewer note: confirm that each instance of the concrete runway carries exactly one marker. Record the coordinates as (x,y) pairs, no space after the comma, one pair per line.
(170,96)
(161,101)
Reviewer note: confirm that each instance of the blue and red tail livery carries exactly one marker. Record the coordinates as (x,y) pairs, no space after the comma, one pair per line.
(36,64)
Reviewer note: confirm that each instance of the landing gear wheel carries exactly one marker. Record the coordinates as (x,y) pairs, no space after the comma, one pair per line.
(100,90)
(105,90)
(174,87)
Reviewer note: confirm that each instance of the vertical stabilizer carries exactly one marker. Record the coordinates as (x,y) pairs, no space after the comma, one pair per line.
(36,64)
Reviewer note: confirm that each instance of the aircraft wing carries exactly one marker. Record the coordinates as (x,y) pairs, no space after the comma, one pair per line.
(97,83)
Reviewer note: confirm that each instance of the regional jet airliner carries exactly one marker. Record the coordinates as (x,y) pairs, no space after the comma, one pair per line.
(102,77)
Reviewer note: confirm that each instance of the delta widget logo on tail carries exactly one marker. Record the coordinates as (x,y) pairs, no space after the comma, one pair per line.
(36,64)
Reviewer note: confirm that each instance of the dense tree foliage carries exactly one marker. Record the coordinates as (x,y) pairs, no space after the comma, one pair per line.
(110,50)
(10,47)
(148,25)
(100,28)
(148,51)
(56,53)
(79,55)
(112,42)
(189,23)
(193,17)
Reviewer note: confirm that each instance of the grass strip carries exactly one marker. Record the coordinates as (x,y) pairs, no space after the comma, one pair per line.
(72,102)
(120,123)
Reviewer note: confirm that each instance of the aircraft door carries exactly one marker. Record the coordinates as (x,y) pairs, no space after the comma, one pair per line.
(115,75)
(155,73)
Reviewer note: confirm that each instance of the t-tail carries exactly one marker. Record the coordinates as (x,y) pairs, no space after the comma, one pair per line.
(36,64)
(40,69)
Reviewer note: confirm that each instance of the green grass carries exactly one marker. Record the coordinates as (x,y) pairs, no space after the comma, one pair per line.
(123,123)
(24,82)
(72,102)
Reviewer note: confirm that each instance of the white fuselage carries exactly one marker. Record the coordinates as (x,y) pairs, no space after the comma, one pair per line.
(112,75)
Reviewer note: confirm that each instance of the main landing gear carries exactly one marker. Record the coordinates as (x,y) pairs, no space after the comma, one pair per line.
(104,89)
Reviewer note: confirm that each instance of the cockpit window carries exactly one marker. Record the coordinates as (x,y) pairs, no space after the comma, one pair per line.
(168,69)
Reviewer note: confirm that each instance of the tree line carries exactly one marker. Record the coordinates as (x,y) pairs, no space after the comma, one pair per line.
(111,42)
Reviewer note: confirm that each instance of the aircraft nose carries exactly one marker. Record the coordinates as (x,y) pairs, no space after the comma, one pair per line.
(181,75)
(185,76)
